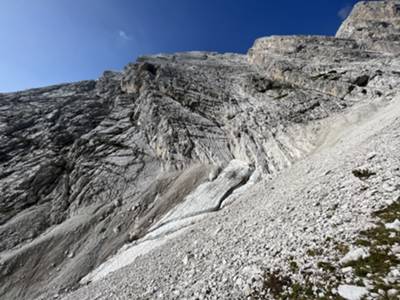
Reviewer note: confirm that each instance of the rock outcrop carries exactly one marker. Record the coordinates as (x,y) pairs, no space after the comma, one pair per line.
(95,174)
(374,25)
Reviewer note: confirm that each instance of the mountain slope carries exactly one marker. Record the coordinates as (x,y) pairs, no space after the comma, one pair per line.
(239,166)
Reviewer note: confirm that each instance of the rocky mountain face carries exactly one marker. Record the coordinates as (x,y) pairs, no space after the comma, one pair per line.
(211,176)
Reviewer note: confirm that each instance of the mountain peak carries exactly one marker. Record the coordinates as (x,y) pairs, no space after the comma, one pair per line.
(375,25)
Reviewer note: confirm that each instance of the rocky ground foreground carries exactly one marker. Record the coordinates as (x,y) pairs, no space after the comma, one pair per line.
(271,175)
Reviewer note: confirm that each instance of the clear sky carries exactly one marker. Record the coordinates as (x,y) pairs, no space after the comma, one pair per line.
(44,42)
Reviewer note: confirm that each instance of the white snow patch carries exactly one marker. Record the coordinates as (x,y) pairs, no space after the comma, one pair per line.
(126,257)
(208,196)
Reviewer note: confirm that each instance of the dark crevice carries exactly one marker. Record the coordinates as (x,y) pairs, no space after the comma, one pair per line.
(231,190)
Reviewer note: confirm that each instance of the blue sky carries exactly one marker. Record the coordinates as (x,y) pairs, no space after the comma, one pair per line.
(44,42)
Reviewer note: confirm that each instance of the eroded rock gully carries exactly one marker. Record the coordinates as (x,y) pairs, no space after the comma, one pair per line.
(135,156)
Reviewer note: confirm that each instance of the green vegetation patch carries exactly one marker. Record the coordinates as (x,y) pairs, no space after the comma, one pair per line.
(379,240)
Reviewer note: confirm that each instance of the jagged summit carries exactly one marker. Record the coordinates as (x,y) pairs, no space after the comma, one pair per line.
(203,175)
(375,25)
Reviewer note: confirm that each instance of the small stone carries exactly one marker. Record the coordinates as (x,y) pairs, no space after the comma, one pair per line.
(352,292)
(395,273)
(374,295)
(389,202)
(347,270)
(392,292)
(354,255)
(117,202)
(218,230)
(395,225)
(363,172)
(368,283)
(135,207)
(117,229)
(389,187)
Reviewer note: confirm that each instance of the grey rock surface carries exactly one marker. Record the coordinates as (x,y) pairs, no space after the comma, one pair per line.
(201,175)
(374,25)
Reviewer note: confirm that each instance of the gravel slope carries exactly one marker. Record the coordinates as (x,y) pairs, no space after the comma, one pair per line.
(205,175)
(316,204)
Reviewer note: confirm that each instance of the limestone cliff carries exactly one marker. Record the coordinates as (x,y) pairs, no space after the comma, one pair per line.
(92,170)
